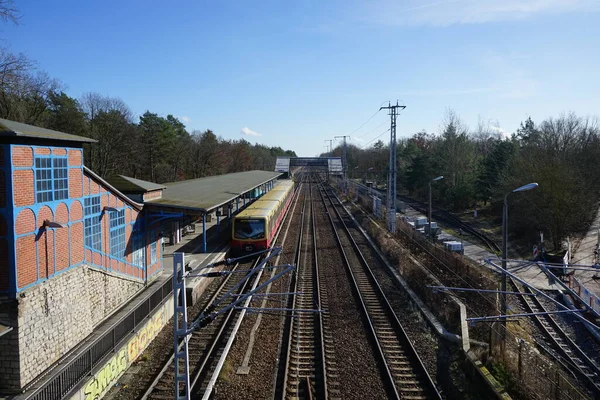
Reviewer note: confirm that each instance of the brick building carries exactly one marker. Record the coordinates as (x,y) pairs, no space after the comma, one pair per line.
(73,249)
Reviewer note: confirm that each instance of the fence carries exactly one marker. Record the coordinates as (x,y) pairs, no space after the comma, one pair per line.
(522,369)
(67,376)
(591,299)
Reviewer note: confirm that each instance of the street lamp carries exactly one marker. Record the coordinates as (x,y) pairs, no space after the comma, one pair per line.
(524,188)
(433,180)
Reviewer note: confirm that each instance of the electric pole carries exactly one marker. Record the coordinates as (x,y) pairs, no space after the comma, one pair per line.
(329,148)
(344,166)
(393,167)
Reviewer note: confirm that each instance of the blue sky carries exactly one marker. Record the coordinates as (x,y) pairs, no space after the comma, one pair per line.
(297,73)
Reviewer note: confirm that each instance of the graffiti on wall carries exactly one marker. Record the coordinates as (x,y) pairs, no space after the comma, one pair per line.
(127,354)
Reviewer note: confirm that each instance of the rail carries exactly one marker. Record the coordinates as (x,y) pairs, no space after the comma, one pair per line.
(306,360)
(570,355)
(402,366)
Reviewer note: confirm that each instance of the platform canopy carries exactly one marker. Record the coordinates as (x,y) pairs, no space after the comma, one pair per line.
(203,195)
(333,165)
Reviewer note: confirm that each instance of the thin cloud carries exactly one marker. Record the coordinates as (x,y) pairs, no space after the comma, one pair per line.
(500,133)
(452,12)
(185,119)
(249,132)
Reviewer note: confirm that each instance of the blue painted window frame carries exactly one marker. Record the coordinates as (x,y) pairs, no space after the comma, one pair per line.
(92,224)
(153,255)
(117,233)
(51,178)
(138,249)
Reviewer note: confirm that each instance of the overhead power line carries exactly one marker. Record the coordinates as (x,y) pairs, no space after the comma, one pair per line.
(374,139)
(366,122)
(374,129)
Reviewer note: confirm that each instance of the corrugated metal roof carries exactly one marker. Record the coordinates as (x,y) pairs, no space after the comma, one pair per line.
(206,194)
(127,184)
(17,129)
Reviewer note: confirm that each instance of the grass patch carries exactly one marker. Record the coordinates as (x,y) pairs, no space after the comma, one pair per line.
(226,371)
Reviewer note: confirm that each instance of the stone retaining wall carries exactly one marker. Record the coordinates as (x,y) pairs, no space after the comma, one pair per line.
(53,317)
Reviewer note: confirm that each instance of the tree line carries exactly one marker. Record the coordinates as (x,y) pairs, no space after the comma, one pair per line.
(152,147)
(480,166)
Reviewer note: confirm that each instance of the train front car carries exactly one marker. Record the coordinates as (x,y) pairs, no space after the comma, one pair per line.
(254,228)
(249,234)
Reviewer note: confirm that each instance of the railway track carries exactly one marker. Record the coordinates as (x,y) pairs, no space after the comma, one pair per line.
(306,349)
(568,353)
(203,346)
(447,217)
(401,367)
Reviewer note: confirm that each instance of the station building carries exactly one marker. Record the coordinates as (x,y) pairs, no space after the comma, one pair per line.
(75,248)
(72,249)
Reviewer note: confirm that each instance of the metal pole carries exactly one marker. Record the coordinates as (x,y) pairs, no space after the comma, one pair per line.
(393,166)
(503,305)
(180,327)
(430,232)
(204,233)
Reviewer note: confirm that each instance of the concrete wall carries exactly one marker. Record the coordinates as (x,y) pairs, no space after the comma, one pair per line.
(53,317)
(107,374)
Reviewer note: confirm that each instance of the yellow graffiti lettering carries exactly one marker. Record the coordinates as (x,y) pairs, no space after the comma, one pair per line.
(98,385)
(100,382)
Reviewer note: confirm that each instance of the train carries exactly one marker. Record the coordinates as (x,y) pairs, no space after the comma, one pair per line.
(254,228)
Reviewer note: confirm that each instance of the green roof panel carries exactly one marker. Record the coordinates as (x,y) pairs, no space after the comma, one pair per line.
(206,194)
(17,129)
(127,184)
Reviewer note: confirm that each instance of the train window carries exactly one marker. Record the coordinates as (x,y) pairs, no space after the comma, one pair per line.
(249,229)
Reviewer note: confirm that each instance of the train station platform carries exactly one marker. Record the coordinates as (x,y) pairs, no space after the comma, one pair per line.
(175,205)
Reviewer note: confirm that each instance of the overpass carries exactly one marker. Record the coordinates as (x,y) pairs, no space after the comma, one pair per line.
(331,165)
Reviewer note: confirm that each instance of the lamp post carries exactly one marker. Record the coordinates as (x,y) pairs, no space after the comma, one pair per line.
(433,180)
(524,188)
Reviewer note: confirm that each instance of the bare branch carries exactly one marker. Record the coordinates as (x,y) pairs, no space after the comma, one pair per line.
(8,12)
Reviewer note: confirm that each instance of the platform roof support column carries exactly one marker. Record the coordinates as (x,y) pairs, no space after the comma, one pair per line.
(244,199)
(178,234)
(237,204)
(204,233)
(229,207)
(218,222)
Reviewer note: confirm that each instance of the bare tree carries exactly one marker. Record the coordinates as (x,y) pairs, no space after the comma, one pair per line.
(8,12)
(24,92)
(110,121)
